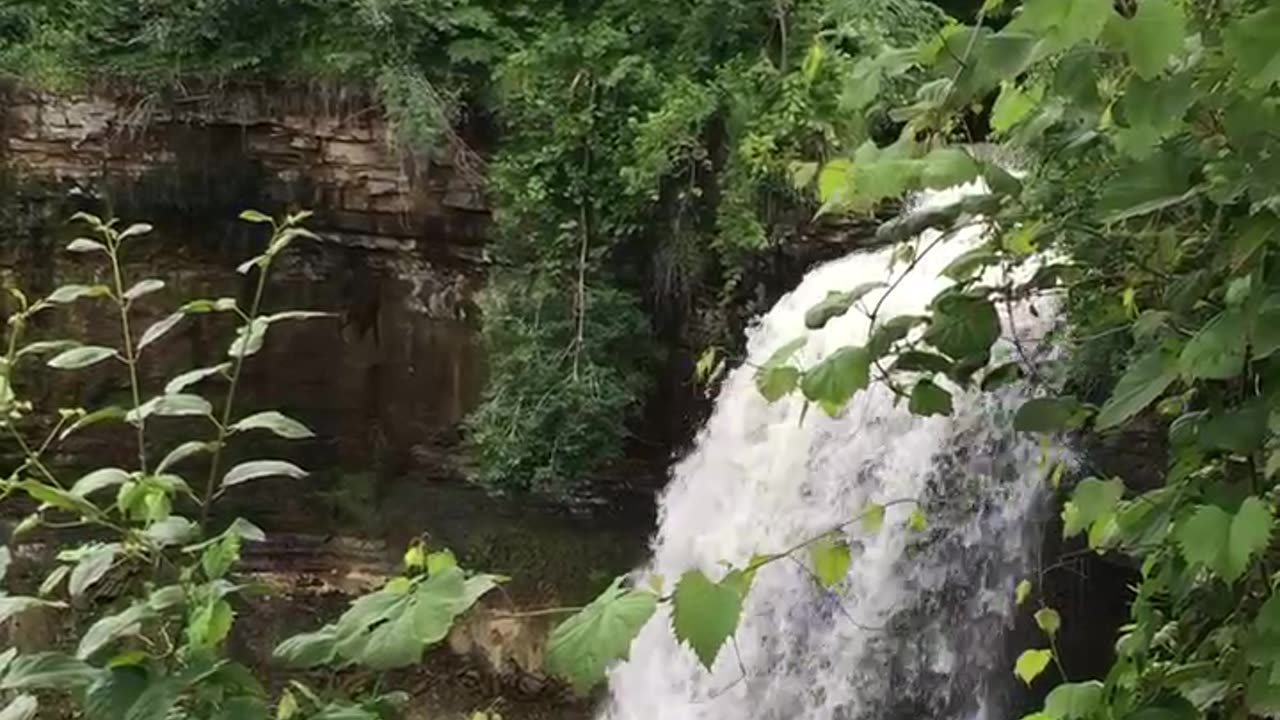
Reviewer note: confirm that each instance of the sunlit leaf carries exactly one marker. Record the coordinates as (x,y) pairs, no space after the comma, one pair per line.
(254,470)
(831,558)
(582,647)
(705,614)
(1031,663)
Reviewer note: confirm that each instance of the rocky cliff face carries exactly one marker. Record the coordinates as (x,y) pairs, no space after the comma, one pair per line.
(402,251)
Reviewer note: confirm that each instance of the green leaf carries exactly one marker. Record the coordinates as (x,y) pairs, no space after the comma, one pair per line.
(1001,375)
(83,245)
(22,707)
(918,361)
(1249,535)
(1144,381)
(180,405)
(254,216)
(58,498)
(110,628)
(1074,701)
(831,559)
(81,357)
(1204,537)
(47,671)
(918,521)
(1063,23)
(71,293)
(97,416)
(191,377)
(1250,44)
(143,287)
(1012,106)
(582,647)
(43,347)
(210,624)
(249,338)
(948,167)
(159,329)
(173,530)
(963,327)
(891,331)
(307,650)
(1153,36)
(1048,620)
(6,558)
(438,562)
(1022,592)
(1091,501)
(254,470)
(836,304)
(135,230)
(873,518)
(775,383)
(287,708)
(98,480)
(832,382)
(188,449)
(1045,415)
(11,605)
(91,568)
(1031,663)
(276,422)
(929,399)
(705,614)
(1217,351)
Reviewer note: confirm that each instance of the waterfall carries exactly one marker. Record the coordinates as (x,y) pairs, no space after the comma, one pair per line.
(919,627)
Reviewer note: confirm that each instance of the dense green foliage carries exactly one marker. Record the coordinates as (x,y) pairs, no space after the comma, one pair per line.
(646,156)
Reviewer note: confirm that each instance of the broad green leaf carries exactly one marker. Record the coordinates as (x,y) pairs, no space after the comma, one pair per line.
(873,518)
(705,614)
(582,647)
(191,377)
(159,329)
(1001,375)
(1262,695)
(287,708)
(71,293)
(1074,701)
(963,327)
(785,352)
(110,628)
(1250,534)
(143,287)
(970,263)
(831,559)
(1012,106)
(891,331)
(190,448)
(22,707)
(917,361)
(1031,663)
(11,605)
(254,216)
(1153,36)
(438,562)
(210,624)
(167,597)
(948,167)
(135,230)
(832,382)
(81,357)
(834,181)
(256,469)
(276,422)
(98,480)
(93,418)
(219,557)
(249,338)
(929,399)
(1144,381)
(1250,44)
(917,521)
(83,245)
(47,671)
(1061,24)
(1091,500)
(91,568)
(58,498)
(172,530)
(1241,430)
(1045,415)
(1048,620)
(180,405)
(836,304)
(1204,537)
(776,382)
(1217,351)
(1022,592)
(307,650)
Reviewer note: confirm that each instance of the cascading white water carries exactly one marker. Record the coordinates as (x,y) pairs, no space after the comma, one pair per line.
(917,629)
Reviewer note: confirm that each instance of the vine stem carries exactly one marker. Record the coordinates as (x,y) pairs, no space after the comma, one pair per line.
(229,405)
(130,358)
